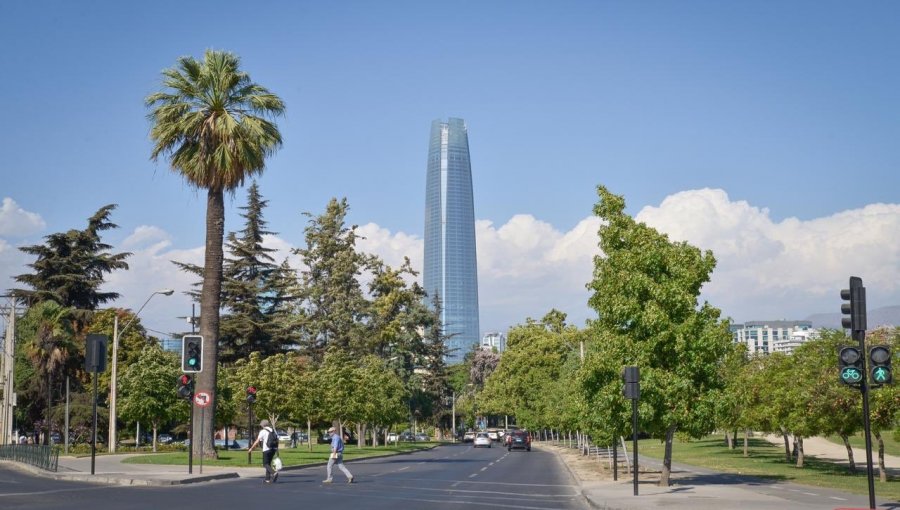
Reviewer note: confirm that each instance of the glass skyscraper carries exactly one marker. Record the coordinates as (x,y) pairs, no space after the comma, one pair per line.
(451,270)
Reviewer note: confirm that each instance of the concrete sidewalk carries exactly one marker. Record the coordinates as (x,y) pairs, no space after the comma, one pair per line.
(694,488)
(824,449)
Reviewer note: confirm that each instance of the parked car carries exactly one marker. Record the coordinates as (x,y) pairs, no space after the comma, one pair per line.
(482,439)
(232,444)
(164,438)
(283,435)
(518,439)
(469,436)
(393,437)
(421,436)
(493,434)
(407,436)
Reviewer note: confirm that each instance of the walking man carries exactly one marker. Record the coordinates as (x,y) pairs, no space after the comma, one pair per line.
(268,449)
(337,456)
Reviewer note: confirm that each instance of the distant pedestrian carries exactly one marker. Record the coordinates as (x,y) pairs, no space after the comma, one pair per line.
(337,456)
(268,450)
(294,439)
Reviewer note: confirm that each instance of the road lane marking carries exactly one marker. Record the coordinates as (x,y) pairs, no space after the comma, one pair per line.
(837,498)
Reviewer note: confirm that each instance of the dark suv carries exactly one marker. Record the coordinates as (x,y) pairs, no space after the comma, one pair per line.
(518,439)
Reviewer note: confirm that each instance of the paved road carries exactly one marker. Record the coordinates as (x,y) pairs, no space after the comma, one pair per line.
(448,477)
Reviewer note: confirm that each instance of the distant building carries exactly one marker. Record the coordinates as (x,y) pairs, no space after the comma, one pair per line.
(494,341)
(171,345)
(766,337)
(450,265)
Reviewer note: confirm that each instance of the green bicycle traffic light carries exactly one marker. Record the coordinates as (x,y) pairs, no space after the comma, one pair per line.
(880,358)
(850,364)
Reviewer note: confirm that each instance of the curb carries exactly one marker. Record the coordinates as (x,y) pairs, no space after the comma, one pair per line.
(574,476)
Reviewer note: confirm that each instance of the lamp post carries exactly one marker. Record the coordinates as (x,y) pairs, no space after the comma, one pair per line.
(115,356)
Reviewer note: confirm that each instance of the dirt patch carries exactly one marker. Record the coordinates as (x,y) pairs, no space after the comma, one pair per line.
(590,468)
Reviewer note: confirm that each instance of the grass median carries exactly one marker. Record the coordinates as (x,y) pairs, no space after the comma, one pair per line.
(767,461)
(299,456)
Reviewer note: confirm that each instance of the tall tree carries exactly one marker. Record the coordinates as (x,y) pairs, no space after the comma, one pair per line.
(70,267)
(214,126)
(147,395)
(247,291)
(48,339)
(334,307)
(645,291)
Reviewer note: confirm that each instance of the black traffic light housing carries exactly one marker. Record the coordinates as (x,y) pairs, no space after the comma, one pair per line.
(192,354)
(251,394)
(185,386)
(631,380)
(880,361)
(856,307)
(850,364)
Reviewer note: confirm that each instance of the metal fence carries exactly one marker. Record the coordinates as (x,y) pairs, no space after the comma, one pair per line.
(44,457)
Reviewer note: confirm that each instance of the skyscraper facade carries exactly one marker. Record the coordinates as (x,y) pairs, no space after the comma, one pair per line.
(451,271)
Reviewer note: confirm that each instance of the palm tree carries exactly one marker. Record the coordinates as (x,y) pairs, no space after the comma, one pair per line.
(212,123)
(49,347)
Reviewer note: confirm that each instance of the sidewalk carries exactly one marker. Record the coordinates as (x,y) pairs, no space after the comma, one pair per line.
(824,449)
(692,488)
(110,469)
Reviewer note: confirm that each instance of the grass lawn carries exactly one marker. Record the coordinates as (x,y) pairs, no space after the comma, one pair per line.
(289,456)
(767,461)
(891,447)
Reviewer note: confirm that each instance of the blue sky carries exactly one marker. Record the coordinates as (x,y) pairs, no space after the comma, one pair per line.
(764,131)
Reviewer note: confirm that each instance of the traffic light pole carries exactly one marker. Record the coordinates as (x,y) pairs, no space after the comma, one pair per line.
(864,388)
(191,428)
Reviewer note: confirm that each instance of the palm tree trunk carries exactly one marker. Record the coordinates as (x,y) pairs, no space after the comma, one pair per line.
(846,440)
(210,300)
(49,405)
(667,457)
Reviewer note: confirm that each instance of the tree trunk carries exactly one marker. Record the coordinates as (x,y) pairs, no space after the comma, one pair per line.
(210,301)
(882,474)
(49,405)
(799,440)
(155,427)
(849,453)
(728,441)
(746,442)
(787,445)
(309,437)
(667,457)
(360,435)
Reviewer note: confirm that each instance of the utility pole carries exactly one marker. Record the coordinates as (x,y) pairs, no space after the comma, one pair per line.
(7,374)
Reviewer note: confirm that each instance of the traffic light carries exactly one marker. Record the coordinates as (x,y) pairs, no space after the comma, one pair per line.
(251,394)
(880,359)
(856,308)
(631,378)
(192,354)
(850,363)
(185,386)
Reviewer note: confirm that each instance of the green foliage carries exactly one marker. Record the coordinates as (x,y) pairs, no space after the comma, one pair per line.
(148,389)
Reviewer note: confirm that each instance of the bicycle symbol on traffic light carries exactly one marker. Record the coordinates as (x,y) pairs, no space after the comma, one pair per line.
(851,375)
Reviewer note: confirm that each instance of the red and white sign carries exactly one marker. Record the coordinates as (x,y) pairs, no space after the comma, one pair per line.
(202,399)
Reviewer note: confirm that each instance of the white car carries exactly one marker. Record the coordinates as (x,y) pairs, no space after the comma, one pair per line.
(393,437)
(482,439)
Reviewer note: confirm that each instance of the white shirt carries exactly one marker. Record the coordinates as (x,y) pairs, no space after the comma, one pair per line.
(263,437)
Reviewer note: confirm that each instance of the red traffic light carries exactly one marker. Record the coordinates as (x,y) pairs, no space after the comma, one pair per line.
(251,390)
(184,379)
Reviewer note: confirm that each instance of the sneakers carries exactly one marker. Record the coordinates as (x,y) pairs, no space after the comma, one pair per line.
(326,481)
(267,481)
(350,480)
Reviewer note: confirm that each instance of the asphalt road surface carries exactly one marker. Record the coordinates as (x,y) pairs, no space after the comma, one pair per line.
(447,477)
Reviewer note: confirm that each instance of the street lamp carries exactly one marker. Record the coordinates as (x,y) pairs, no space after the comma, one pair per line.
(115,356)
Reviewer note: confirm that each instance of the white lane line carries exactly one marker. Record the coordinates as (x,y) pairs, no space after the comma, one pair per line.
(810,493)
(484,468)
(837,498)
(473,475)
(403,468)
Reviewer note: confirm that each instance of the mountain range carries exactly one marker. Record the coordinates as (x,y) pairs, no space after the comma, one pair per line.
(886,316)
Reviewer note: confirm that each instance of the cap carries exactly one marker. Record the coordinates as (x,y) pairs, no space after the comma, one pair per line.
(332,429)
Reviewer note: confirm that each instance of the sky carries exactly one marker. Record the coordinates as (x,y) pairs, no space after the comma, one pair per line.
(765,132)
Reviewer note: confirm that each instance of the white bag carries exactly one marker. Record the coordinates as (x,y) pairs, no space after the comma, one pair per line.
(276,464)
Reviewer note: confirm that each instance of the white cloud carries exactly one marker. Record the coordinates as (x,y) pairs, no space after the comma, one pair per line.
(788,269)
(766,269)
(17,222)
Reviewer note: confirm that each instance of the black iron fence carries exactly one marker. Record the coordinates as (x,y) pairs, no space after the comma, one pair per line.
(44,457)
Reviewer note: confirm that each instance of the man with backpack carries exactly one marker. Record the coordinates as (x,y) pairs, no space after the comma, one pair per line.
(269,440)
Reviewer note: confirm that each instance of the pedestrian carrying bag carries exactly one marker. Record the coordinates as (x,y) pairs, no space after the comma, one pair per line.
(276,464)
(272,440)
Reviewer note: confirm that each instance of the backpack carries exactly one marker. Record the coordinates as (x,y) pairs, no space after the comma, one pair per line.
(271,439)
